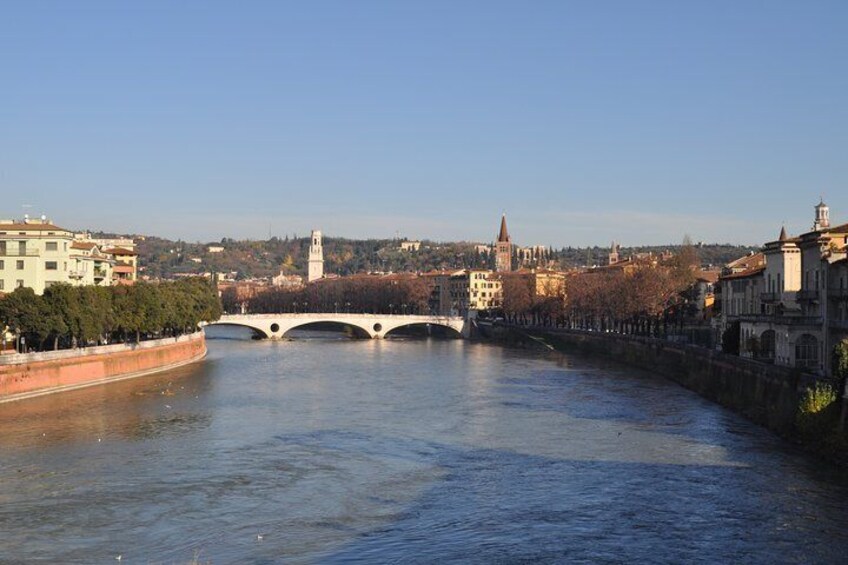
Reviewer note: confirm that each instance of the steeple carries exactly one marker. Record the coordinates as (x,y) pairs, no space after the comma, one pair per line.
(503,249)
(503,235)
(783,236)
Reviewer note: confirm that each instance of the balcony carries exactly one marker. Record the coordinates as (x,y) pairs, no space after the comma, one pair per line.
(99,273)
(769,297)
(812,321)
(808,295)
(76,274)
(17,253)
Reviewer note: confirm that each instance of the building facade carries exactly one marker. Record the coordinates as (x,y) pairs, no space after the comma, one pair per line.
(789,301)
(36,254)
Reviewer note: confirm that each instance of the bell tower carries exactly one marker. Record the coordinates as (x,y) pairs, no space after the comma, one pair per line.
(316,257)
(503,249)
(822,216)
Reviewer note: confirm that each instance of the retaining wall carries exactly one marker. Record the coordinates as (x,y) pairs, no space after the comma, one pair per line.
(766,394)
(34,374)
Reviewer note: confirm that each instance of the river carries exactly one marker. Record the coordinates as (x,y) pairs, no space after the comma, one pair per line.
(325,449)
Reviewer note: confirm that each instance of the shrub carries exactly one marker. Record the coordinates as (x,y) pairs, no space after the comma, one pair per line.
(818,411)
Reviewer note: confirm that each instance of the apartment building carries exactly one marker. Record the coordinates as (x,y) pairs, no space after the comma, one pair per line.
(35,253)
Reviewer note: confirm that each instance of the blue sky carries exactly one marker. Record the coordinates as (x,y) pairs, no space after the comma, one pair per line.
(583,121)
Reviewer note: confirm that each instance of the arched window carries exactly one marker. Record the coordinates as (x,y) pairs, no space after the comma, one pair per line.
(767,345)
(807,352)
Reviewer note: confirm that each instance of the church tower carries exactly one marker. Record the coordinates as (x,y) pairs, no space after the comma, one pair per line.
(316,257)
(613,254)
(503,249)
(822,216)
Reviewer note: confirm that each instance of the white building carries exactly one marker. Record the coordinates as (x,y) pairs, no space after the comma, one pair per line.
(316,257)
(35,253)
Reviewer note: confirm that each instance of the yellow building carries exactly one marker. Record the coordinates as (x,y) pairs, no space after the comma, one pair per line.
(125,270)
(35,253)
(474,290)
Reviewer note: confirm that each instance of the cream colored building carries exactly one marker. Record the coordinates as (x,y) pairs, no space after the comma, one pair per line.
(474,290)
(790,301)
(35,253)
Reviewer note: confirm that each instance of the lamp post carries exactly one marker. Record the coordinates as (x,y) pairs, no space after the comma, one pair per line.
(295,307)
(335,307)
(391,309)
(404,308)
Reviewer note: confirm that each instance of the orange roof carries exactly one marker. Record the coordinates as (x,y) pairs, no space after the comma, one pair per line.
(31,227)
(122,269)
(83,245)
(708,276)
(748,261)
(120,251)
(744,274)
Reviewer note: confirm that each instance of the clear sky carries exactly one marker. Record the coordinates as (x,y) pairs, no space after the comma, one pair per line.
(587,121)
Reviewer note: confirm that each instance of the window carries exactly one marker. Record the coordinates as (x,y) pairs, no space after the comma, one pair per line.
(19,264)
(2,265)
(2,284)
(19,283)
(807,352)
(51,246)
(22,248)
(51,265)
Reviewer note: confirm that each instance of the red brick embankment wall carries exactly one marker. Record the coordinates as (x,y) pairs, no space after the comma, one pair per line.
(33,374)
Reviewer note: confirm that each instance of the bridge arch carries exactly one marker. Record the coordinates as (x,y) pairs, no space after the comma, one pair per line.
(449,330)
(257,329)
(356,330)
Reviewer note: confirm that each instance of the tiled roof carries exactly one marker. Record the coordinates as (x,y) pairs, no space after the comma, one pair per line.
(744,274)
(120,251)
(17,226)
(83,245)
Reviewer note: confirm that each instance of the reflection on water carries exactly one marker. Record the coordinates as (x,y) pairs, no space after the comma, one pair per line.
(403,450)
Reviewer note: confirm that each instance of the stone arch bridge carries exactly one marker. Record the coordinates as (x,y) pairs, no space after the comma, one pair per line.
(375,326)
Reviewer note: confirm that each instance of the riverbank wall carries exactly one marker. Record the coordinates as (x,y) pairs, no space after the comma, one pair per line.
(34,374)
(766,394)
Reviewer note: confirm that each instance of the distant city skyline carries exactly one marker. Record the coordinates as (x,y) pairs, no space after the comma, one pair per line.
(584,122)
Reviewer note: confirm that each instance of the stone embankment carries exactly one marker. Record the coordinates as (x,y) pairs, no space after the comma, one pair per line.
(33,374)
(766,394)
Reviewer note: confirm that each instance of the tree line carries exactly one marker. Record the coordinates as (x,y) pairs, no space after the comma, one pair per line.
(359,294)
(75,316)
(644,298)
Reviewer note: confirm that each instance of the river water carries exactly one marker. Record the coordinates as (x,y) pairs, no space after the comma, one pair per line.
(334,450)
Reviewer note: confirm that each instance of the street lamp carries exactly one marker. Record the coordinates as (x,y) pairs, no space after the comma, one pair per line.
(391,309)
(295,307)
(347,305)
(335,307)
(305,306)
(404,308)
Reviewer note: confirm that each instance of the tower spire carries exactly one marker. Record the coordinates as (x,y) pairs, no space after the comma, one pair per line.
(503,235)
